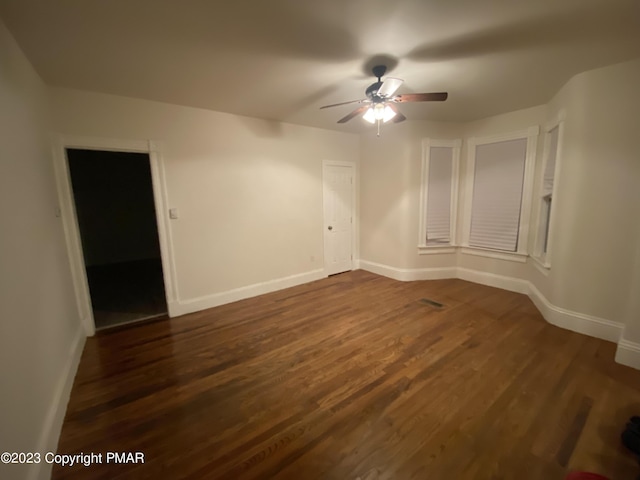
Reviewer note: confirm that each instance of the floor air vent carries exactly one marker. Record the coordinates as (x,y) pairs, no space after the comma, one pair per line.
(431,303)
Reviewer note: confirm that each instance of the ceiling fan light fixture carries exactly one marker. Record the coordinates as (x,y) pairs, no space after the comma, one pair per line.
(379,112)
(388,114)
(369,116)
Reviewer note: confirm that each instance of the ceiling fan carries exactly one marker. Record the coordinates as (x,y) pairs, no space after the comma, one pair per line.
(380,104)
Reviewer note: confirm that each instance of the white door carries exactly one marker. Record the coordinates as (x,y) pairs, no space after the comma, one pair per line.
(338,217)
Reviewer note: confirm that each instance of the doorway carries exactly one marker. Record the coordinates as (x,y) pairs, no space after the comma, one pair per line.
(115,210)
(338,200)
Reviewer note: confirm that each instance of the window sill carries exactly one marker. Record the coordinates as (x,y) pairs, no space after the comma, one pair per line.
(485,252)
(436,249)
(542,266)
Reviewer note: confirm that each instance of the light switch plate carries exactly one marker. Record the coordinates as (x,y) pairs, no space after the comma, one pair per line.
(173,213)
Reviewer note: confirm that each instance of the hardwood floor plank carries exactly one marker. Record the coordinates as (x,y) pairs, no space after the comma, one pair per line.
(579,420)
(353,376)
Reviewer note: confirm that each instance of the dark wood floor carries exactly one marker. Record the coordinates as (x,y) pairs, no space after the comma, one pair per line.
(354,376)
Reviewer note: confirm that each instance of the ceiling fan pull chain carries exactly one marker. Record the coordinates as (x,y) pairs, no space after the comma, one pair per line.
(378,128)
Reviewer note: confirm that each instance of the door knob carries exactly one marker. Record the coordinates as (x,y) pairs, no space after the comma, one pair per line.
(330,227)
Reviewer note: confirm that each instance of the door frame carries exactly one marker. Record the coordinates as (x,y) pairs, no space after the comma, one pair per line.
(66,209)
(354,211)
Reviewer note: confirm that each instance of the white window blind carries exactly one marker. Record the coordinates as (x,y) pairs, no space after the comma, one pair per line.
(497,194)
(550,167)
(439,195)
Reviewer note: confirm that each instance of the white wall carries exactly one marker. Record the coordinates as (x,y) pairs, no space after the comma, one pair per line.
(390,194)
(384,217)
(597,242)
(40,335)
(248,191)
(598,206)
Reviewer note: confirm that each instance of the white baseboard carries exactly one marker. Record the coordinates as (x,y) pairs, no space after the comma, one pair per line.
(173,309)
(628,353)
(575,321)
(560,317)
(408,274)
(493,280)
(182,307)
(52,427)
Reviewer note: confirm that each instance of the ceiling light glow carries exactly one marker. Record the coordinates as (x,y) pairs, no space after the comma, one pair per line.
(379,112)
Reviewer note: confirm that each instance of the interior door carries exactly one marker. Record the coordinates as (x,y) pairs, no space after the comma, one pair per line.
(338,217)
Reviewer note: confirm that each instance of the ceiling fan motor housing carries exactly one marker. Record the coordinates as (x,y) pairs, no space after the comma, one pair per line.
(372,90)
(379,71)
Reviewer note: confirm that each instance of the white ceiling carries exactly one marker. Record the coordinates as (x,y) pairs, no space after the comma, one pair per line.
(283,59)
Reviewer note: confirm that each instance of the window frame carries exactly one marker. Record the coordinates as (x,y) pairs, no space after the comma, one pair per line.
(455,145)
(543,259)
(521,253)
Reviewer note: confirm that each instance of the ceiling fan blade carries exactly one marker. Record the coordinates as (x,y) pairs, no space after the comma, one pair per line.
(389,86)
(353,114)
(343,103)
(399,116)
(421,97)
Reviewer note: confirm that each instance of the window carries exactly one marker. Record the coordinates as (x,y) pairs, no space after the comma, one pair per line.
(498,195)
(438,195)
(547,183)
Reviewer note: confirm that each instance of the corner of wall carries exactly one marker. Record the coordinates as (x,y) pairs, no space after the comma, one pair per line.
(575,321)
(407,274)
(628,353)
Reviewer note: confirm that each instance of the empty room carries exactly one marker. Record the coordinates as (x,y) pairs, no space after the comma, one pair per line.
(351,240)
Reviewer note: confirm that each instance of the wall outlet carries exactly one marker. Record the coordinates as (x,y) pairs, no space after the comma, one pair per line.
(173,213)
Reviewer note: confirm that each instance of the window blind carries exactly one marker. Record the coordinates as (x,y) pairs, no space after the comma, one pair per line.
(497,194)
(439,195)
(550,167)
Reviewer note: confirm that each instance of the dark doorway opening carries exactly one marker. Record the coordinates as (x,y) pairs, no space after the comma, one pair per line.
(113,195)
